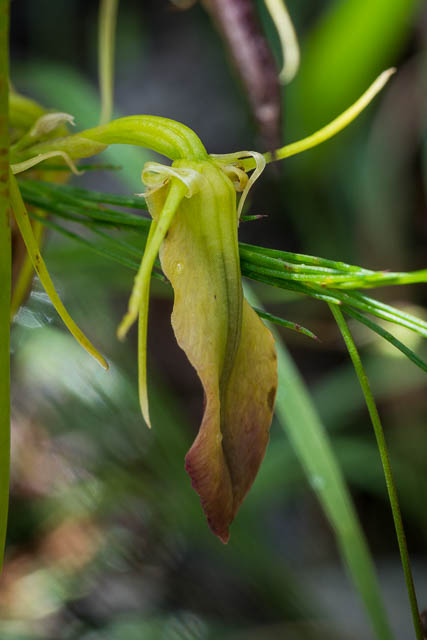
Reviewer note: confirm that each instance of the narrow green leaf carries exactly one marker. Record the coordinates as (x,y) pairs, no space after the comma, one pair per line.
(309,439)
(387,336)
(301,258)
(385,460)
(87,195)
(285,323)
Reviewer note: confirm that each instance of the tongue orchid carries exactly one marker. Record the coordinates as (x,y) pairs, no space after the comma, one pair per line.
(195,218)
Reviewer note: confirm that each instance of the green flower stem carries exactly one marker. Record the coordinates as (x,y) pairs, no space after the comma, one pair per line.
(106,41)
(330,130)
(382,447)
(5,277)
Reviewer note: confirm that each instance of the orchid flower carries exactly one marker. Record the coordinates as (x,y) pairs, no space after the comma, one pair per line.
(195,218)
(223,337)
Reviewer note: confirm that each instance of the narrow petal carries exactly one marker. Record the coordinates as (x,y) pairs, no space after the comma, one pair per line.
(139,299)
(334,127)
(24,225)
(19,167)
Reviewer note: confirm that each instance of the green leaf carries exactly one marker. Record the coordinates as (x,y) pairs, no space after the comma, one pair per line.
(298,417)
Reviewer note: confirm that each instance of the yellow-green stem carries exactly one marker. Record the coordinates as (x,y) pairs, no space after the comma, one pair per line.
(106,41)
(385,460)
(328,131)
(5,276)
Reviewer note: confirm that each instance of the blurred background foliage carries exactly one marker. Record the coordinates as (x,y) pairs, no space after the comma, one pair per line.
(106,537)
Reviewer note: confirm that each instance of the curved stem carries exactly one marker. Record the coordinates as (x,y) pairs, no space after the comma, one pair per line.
(385,460)
(328,131)
(288,39)
(5,277)
(337,125)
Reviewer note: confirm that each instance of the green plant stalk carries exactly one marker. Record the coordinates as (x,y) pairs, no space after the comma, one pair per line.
(5,276)
(309,439)
(106,42)
(385,460)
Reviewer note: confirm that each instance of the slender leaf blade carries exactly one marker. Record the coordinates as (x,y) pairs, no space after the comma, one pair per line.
(299,419)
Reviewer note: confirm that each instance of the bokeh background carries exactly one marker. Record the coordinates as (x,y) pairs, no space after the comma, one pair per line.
(106,538)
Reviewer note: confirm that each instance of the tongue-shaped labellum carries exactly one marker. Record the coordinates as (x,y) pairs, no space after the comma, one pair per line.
(224,339)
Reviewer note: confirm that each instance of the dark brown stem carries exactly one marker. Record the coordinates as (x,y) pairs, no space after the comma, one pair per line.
(239,26)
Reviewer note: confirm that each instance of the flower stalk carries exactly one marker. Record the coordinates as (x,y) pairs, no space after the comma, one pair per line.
(5,276)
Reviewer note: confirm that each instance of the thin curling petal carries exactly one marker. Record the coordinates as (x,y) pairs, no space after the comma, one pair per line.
(181,185)
(238,177)
(40,268)
(19,167)
(154,175)
(330,130)
(288,39)
(139,299)
(166,198)
(142,342)
(260,163)
(337,125)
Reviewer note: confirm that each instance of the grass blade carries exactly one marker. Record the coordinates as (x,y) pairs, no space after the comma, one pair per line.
(308,437)
(294,326)
(387,336)
(385,460)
